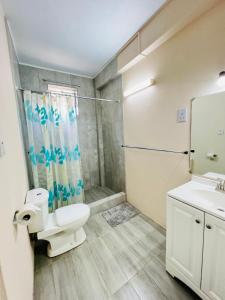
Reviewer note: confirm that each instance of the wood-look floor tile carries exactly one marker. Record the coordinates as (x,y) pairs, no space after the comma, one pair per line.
(44,287)
(96,227)
(135,230)
(127,233)
(139,246)
(155,225)
(127,292)
(129,260)
(125,262)
(170,287)
(107,265)
(146,288)
(114,242)
(140,224)
(149,241)
(143,244)
(159,252)
(87,278)
(64,279)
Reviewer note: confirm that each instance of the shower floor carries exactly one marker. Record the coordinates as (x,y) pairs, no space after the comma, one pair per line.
(97,193)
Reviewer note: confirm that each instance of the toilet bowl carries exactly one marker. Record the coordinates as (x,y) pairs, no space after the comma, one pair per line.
(63,229)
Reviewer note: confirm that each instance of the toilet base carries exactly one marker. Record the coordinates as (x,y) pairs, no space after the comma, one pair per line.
(65,241)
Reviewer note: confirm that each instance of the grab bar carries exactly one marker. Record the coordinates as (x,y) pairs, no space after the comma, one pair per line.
(159,150)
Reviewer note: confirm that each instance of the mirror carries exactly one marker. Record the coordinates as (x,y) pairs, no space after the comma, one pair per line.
(208,135)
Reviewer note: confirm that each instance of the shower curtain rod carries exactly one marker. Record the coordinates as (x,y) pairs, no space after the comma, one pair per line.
(79,97)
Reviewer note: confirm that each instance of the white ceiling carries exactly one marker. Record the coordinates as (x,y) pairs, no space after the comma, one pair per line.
(75,36)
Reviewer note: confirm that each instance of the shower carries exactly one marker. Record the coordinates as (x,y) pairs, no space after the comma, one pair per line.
(89,144)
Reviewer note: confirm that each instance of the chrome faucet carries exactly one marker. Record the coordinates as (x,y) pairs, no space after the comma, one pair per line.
(220,184)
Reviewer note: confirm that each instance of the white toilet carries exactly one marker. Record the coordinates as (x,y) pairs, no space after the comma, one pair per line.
(63,228)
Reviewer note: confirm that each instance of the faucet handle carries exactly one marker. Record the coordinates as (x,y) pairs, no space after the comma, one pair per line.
(223,185)
(220,184)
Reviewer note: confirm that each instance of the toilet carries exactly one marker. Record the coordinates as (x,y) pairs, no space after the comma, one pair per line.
(63,228)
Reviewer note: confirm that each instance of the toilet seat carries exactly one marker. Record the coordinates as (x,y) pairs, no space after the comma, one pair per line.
(69,214)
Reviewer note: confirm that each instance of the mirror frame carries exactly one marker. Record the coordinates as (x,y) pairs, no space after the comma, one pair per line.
(190,128)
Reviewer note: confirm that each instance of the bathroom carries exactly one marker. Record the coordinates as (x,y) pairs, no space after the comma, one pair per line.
(142,129)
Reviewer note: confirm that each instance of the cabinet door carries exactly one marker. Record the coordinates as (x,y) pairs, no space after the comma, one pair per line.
(213,272)
(185,226)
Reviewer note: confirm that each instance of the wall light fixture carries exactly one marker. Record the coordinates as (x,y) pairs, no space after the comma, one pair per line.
(139,87)
(221,79)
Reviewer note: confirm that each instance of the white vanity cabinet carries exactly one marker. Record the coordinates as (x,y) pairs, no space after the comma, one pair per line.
(213,270)
(185,239)
(195,251)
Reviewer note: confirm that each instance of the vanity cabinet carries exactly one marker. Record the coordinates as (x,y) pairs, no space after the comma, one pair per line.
(213,270)
(195,250)
(185,239)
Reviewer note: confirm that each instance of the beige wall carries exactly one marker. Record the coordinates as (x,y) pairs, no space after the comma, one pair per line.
(208,118)
(16,257)
(184,67)
(2,288)
(172,17)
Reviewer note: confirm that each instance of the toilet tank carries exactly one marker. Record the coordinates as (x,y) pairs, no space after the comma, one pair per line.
(39,198)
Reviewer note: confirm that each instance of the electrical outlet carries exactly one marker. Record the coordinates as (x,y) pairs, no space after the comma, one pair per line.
(181,115)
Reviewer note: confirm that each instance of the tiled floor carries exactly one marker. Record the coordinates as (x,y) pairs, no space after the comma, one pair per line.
(125,262)
(97,193)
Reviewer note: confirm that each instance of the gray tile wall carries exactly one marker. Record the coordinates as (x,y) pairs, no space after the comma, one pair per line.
(109,85)
(107,74)
(32,79)
(101,155)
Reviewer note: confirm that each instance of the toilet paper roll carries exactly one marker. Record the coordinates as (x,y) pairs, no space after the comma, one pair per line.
(26,214)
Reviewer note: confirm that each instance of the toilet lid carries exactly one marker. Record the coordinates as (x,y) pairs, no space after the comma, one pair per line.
(69,214)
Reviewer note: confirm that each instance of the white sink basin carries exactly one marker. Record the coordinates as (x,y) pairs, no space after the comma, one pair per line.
(202,196)
(214,199)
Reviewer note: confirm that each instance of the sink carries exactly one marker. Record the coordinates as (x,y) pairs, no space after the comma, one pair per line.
(201,195)
(211,198)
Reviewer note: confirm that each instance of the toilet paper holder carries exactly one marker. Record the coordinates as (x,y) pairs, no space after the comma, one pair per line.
(15,222)
(25,218)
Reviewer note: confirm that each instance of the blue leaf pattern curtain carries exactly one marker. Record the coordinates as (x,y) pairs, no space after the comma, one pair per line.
(53,147)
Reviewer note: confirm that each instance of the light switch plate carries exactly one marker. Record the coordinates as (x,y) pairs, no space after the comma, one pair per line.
(181,115)
(220,132)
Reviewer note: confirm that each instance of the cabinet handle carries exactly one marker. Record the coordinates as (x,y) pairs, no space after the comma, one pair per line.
(208,226)
(197,221)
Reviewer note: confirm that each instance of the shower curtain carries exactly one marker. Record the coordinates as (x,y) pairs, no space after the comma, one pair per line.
(53,147)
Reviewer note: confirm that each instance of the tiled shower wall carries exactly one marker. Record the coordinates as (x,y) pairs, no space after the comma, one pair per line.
(32,79)
(100,138)
(108,85)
